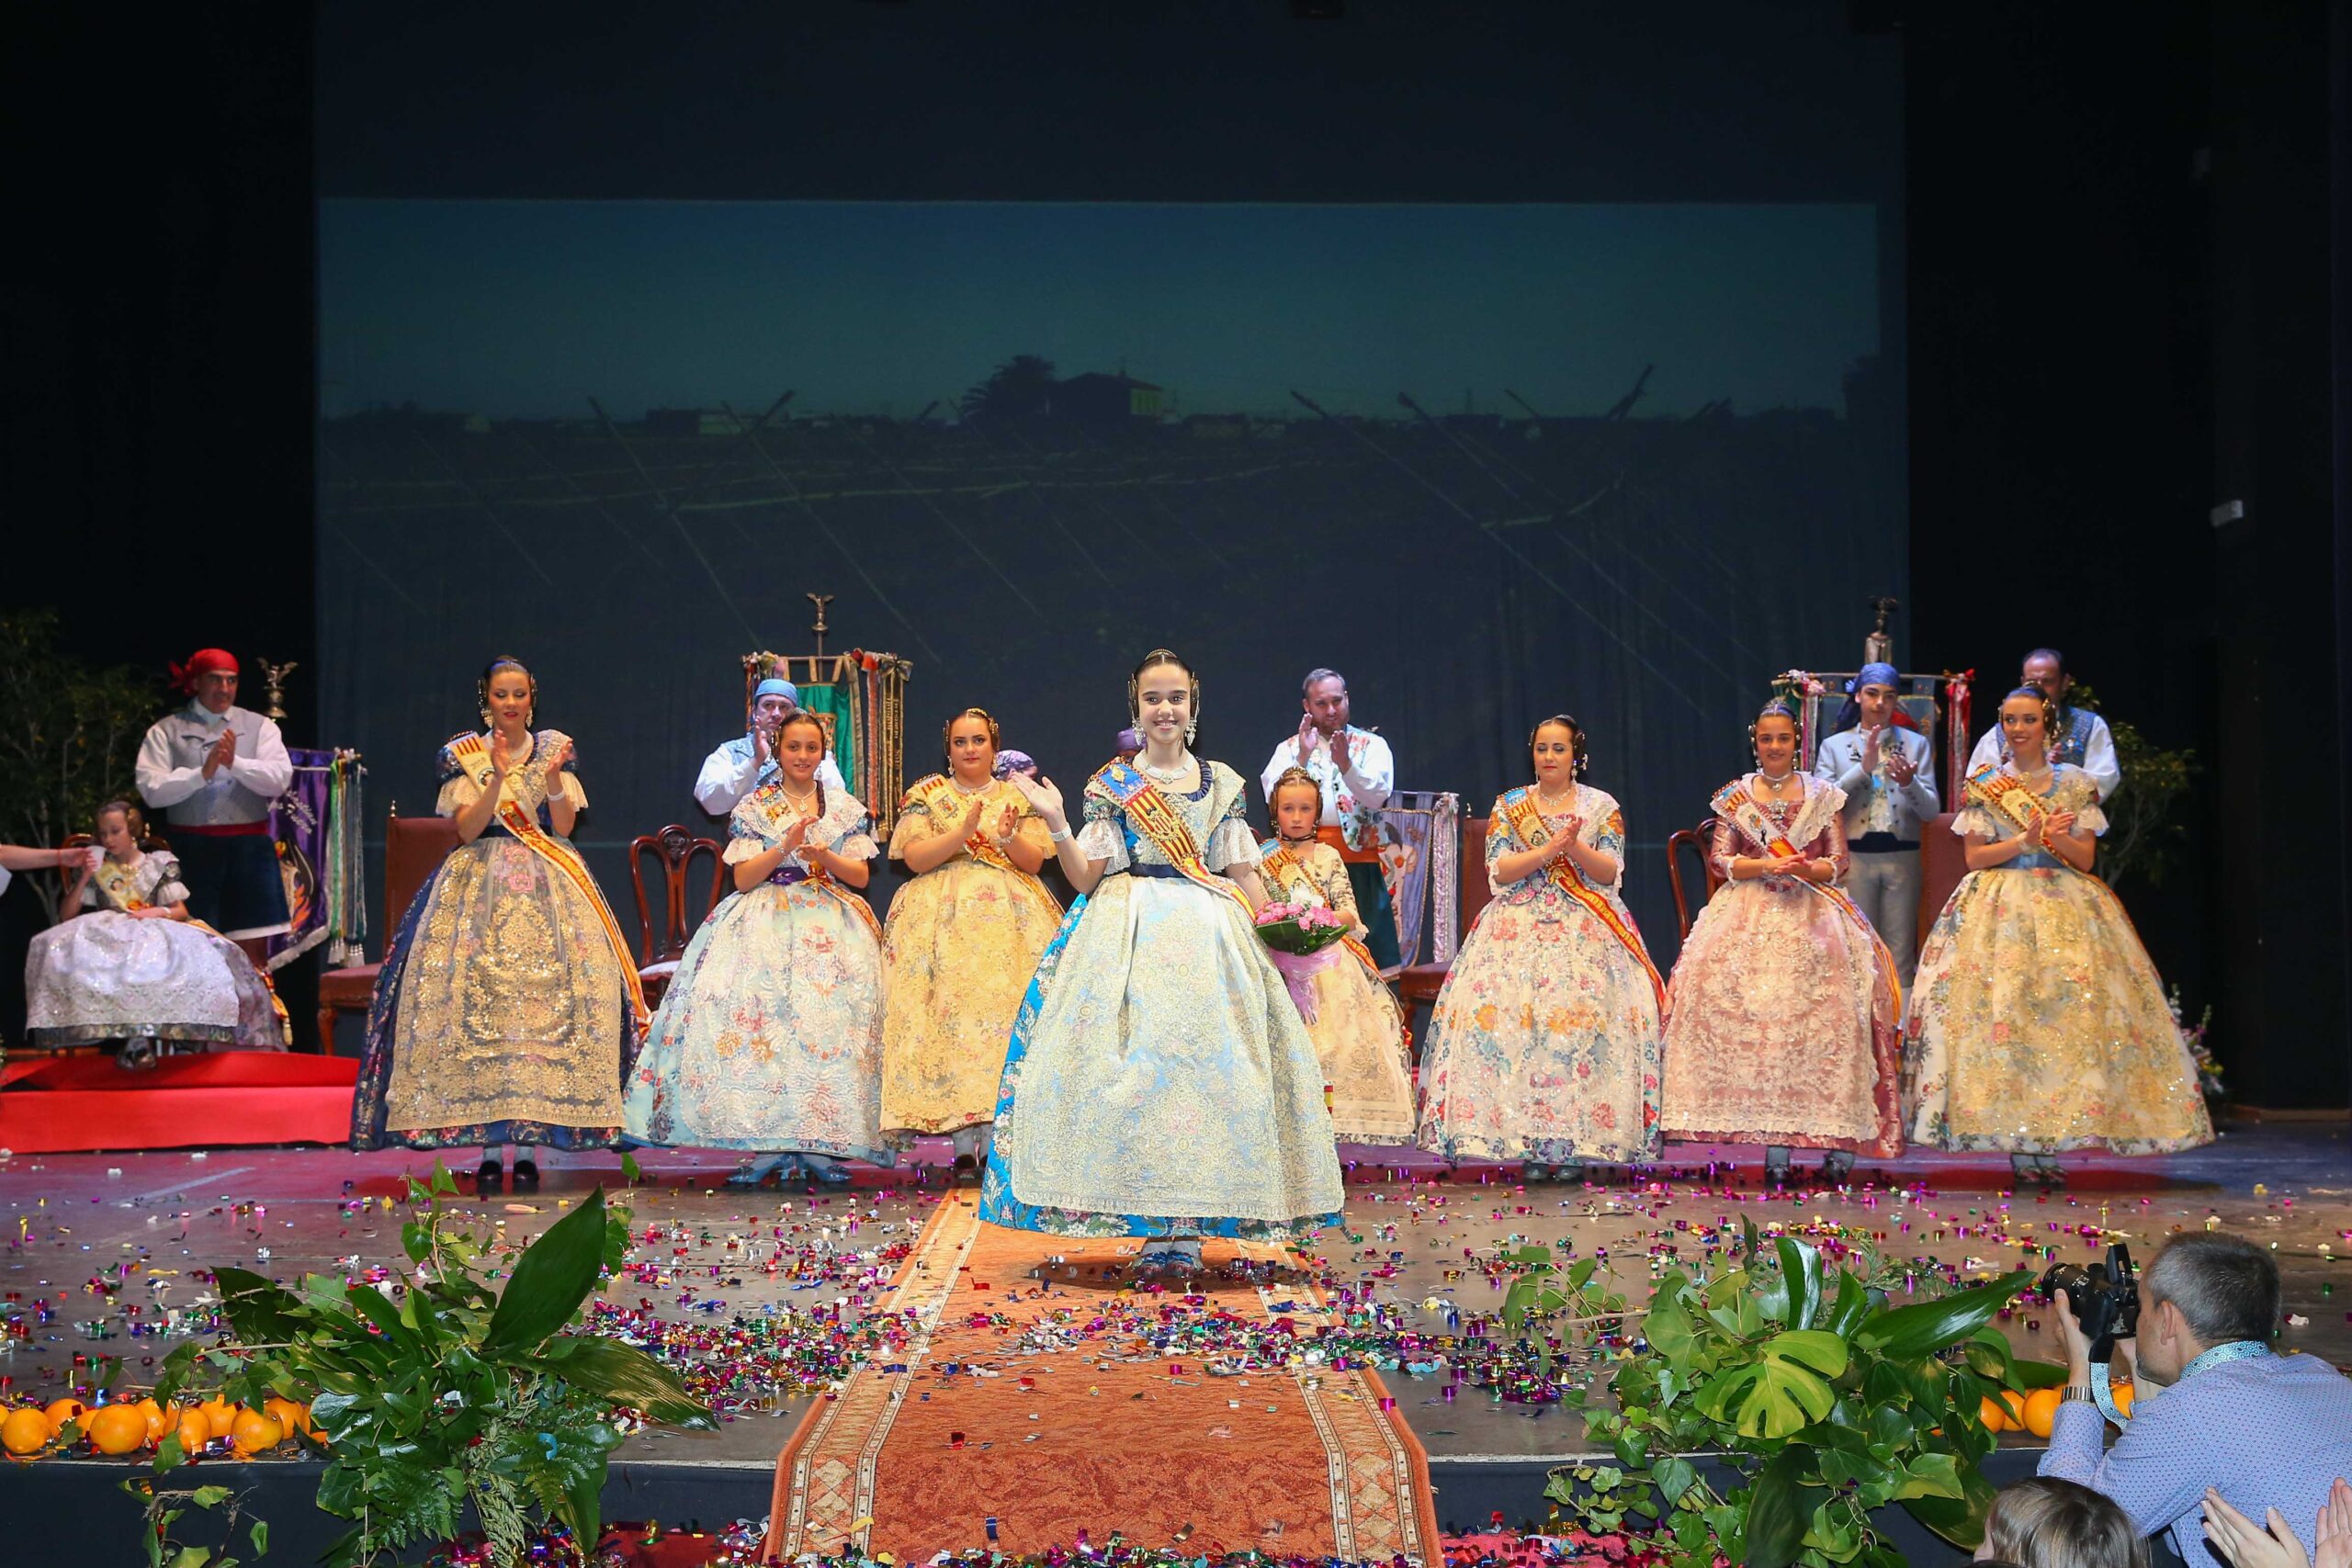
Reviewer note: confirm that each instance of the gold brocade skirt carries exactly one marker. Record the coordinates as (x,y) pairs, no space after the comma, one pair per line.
(962,941)
(501,1013)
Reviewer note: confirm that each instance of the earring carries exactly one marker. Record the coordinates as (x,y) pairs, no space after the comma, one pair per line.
(1192,730)
(485,715)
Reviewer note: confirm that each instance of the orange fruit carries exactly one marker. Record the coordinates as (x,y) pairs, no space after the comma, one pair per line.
(1995,1418)
(2041,1408)
(2014,1403)
(116,1430)
(159,1420)
(26,1431)
(254,1432)
(2121,1394)
(61,1411)
(292,1415)
(194,1432)
(219,1414)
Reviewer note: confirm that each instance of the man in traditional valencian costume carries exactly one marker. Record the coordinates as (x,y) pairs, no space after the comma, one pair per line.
(212,769)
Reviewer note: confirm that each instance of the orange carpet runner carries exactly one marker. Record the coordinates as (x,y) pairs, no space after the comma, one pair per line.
(985,1422)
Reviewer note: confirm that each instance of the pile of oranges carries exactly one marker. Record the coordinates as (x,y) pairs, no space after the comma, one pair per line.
(2015,1412)
(32,1431)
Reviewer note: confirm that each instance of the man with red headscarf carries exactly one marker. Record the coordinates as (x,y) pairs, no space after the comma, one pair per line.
(212,767)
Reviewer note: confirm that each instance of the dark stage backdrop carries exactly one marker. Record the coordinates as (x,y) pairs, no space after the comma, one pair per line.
(1490,461)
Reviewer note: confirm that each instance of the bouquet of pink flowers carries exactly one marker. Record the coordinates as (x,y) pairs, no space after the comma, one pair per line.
(1299,929)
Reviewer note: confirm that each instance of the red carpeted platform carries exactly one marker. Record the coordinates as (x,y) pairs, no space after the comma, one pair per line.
(50,1105)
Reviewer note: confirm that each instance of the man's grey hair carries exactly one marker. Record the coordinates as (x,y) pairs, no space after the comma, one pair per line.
(1307,687)
(2225,1286)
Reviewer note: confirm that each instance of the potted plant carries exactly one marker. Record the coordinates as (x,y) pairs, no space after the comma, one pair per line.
(1817,1399)
(432,1393)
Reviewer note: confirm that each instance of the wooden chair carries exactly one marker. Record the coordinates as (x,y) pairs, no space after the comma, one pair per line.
(1701,840)
(413,847)
(673,849)
(1943,860)
(1421,982)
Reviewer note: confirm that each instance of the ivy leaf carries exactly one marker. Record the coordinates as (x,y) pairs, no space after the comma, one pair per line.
(209,1496)
(1673,1476)
(1960,1521)
(1668,1326)
(260,1534)
(552,1279)
(1930,1475)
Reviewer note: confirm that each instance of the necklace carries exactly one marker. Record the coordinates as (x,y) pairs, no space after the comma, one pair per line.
(1167,775)
(1554,802)
(963,788)
(809,799)
(1776,783)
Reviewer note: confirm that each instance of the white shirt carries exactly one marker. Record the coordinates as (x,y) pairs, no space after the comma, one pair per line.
(2099,754)
(1874,802)
(1350,795)
(732,771)
(170,769)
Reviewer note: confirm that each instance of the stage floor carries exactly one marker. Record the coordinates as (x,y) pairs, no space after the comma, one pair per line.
(68,1219)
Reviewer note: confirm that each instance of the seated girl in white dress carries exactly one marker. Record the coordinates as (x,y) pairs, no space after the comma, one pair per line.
(131,966)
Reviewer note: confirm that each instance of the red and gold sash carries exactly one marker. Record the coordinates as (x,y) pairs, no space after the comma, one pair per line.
(473,756)
(946,805)
(1528,825)
(771,799)
(2008,798)
(1736,806)
(1280,863)
(1159,821)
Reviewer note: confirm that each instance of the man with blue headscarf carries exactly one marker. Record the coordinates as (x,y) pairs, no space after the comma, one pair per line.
(1882,763)
(742,764)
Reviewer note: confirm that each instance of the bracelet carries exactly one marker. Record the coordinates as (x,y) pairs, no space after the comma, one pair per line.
(2076,1395)
(1058,835)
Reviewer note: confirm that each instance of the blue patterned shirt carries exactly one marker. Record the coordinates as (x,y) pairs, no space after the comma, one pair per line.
(2266,1432)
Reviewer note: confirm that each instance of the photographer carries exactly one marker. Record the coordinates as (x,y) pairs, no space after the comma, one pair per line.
(2216,1406)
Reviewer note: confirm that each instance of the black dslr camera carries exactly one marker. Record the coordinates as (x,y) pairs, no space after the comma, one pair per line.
(2104,1298)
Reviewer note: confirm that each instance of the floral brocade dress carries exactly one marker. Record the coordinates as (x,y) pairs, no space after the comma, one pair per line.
(770,1038)
(2036,1022)
(1783,1025)
(505,1010)
(1358,1030)
(961,943)
(1159,1079)
(1543,1044)
(106,976)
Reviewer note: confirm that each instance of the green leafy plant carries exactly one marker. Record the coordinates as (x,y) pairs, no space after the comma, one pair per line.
(1820,1400)
(69,734)
(2144,829)
(444,1394)
(165,1507)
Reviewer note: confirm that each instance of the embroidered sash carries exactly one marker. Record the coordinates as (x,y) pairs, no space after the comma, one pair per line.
(1158,820)
(938,795)
(777,807)
(1528,825)
(1736,806)
(473,756)
(1280,863)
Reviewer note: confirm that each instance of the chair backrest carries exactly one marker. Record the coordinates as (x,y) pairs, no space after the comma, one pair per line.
(414,847)
(1698,841)
(1476,893)
(673,849)
(1943,860)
